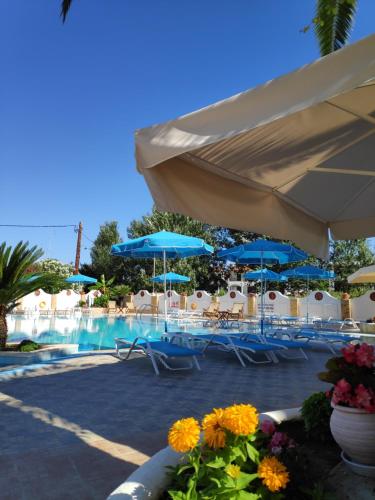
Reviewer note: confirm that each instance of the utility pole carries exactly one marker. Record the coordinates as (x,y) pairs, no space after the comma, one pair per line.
(78,248)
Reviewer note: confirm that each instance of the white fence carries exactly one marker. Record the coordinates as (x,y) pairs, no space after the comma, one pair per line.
(363,307)
(319,303)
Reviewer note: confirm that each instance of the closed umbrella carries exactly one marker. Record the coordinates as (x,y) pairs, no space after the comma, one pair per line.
(263,252)
(164,245)
(308,273)
(293,158)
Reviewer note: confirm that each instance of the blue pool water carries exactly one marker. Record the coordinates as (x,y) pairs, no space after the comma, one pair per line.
(89,333)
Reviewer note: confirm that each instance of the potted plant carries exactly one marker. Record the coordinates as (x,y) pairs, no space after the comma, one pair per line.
(353,401)
(235,459)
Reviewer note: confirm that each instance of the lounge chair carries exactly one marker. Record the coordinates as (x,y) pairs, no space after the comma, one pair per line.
(130,308)
(329,339)
(211,311)
(159,350)
(275,339)
(237,311)
(112,306)
(242,349)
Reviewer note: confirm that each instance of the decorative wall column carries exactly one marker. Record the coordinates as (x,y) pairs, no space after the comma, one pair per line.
(346,306)
(154,303)
(294,306)
(183,301)
(252,304)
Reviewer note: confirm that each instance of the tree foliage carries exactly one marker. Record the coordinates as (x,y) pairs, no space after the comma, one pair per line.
(333,23)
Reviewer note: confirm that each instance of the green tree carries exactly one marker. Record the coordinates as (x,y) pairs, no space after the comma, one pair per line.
(59,270)
(102,262)
(16,281)
(347,257)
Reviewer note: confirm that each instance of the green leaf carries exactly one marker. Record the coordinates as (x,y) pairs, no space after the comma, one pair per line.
(217,463)
(253,453)
(245,495)
(244,480)
(177,495)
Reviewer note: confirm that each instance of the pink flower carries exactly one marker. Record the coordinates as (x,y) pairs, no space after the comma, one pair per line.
(364,398)
(349,353)
(342,392)
(365,356)
(267,427)
(279,439)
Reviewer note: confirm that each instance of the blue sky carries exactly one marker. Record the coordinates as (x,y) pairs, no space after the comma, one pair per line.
(72,95)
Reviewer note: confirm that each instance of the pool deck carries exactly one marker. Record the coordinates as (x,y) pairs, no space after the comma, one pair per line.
(76,429)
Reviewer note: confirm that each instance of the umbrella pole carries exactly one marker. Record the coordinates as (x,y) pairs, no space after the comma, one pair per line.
(153,275)
(165,292)
(307,301)
(261,296)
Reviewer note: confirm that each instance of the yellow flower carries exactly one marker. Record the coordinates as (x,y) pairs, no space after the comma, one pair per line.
(240,419)
(214,434)
(234,471)
(273,473)
(184,434)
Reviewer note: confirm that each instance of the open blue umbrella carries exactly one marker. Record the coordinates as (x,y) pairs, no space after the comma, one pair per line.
(165,245)
(80,279)
(171,277)
(308,273)
(263,252)
(264,274)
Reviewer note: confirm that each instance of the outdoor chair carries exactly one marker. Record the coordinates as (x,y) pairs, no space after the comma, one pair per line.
(329,339)
(160,351)
(212,311)
(130,308)
(112,306)
(232,343)
(237,311)
(290,346)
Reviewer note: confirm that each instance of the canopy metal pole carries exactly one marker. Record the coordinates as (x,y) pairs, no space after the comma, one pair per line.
(153,275)
(165,291)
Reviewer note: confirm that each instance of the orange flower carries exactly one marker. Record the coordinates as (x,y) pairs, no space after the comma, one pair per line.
(240,419)
(212,424)
(184,434)
(273,473)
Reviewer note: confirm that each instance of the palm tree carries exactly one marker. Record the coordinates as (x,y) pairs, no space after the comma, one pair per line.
(16,281)
(103,285)
(65,6)
(333,23)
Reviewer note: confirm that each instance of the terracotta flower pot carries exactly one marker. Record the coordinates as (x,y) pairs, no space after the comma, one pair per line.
(353,430)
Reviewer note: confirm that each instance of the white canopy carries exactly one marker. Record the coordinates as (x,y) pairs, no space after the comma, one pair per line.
(292,158)
(363,275)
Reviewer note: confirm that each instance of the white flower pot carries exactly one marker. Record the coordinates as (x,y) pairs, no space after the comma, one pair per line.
(354,431)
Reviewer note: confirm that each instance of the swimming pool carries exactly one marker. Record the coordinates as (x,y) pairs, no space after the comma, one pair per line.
(89,333)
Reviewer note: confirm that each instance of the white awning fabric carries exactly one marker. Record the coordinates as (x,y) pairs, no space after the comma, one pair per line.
(293,158)
(363,275)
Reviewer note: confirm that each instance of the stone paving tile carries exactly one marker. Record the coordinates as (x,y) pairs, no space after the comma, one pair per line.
(78,428)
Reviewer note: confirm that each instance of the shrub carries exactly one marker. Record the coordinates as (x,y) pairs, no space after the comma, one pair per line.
(101,301)
(316,414)
(28,346)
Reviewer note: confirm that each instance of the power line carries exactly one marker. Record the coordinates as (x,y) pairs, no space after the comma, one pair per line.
(38,225)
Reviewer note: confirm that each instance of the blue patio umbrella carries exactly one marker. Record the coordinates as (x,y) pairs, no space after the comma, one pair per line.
(165,245)
(171,278)
(263,252)
(308,273)
(80,279)
(265,275)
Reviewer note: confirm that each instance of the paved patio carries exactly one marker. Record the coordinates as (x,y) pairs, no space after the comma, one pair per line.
(78,428)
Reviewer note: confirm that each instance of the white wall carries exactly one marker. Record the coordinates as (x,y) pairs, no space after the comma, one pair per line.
(143,297)
(363,307)
(173,300)
(198,301)
(232,297)
(327,307)
(67,299)
(274,303)
(36,301)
